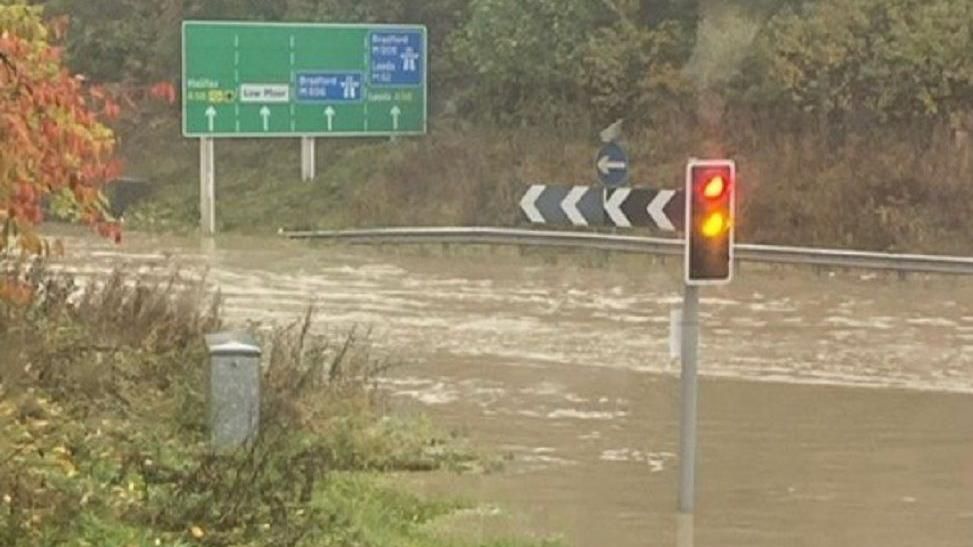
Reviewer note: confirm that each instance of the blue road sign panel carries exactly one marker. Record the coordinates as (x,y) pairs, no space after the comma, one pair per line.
(337,87)
(397,58)
(612,165)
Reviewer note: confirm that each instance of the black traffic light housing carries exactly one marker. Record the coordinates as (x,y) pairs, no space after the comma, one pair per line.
(710,221)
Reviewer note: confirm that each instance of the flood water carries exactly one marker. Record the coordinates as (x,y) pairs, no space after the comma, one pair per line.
(836,408)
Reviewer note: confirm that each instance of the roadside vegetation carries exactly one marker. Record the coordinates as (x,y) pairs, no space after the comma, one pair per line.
(851,120)
(104,439)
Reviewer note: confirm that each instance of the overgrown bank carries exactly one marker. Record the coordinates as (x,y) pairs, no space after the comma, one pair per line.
(103,433)
(888,188)
(851,120)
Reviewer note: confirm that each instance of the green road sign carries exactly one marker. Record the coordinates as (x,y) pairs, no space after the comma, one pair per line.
(290,80)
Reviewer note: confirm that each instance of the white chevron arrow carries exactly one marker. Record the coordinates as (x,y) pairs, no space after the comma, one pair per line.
(657,211)
(528,204)
(570,205)
(613,206)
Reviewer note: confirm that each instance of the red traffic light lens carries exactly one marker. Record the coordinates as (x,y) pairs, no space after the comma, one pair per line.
(714,188)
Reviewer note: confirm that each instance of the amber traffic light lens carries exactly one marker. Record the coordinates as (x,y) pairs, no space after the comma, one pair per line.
(714,225)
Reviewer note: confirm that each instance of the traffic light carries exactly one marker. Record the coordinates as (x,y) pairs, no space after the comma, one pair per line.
(710,202)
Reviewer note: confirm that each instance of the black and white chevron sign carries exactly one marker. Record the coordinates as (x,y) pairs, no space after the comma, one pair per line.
(569,205)
(661,209)
(596,206)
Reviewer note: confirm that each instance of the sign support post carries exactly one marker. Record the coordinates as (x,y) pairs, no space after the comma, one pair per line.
(690,396)
(207,186)
(307,158)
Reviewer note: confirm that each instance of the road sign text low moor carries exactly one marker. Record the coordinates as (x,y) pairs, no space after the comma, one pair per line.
(288,80)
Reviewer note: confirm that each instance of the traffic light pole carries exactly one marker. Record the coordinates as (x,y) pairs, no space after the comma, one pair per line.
(690,395)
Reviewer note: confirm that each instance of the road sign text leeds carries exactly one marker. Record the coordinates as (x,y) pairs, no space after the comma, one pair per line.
(288,80)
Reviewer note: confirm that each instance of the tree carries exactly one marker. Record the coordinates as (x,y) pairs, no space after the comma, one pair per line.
(112,42)
(887,59)
(523,58)
(54,146)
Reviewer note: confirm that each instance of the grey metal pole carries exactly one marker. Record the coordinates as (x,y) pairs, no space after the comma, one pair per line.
(687,421)
(307,159)
(207,186)
(311,163)
(311,166)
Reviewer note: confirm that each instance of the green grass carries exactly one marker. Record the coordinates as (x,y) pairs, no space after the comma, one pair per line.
(374,512)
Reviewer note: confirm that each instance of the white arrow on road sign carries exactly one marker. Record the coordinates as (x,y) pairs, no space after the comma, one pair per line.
(529,203)
(657,211)
(613,207)
(211,117)
(396,112)
(570,205)
(606,165)
(329,113)
(265,114)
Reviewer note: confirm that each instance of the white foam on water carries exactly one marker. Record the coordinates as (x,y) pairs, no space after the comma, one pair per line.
(576,414)
(932,322)
(655,460)
(545,459)
(543,389)
(434,395)
(868,323)
(779,306)
(628,318)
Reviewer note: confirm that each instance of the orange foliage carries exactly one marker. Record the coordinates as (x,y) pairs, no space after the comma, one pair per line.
(53,142)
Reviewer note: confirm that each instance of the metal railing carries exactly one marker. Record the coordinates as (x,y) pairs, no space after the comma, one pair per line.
(904,263)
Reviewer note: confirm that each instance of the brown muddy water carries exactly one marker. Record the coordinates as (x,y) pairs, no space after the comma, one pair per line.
(836,408)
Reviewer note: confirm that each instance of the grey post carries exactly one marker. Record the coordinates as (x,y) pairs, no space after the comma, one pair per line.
(234,388)
(687,424)
(207,186)
(308,166)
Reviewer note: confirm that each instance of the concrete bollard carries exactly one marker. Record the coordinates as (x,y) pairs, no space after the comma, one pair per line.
(234,388)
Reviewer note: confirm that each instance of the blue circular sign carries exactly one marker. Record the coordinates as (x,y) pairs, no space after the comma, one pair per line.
(611,164)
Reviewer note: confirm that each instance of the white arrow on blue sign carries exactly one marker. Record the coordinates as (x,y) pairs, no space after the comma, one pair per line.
(612,165)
